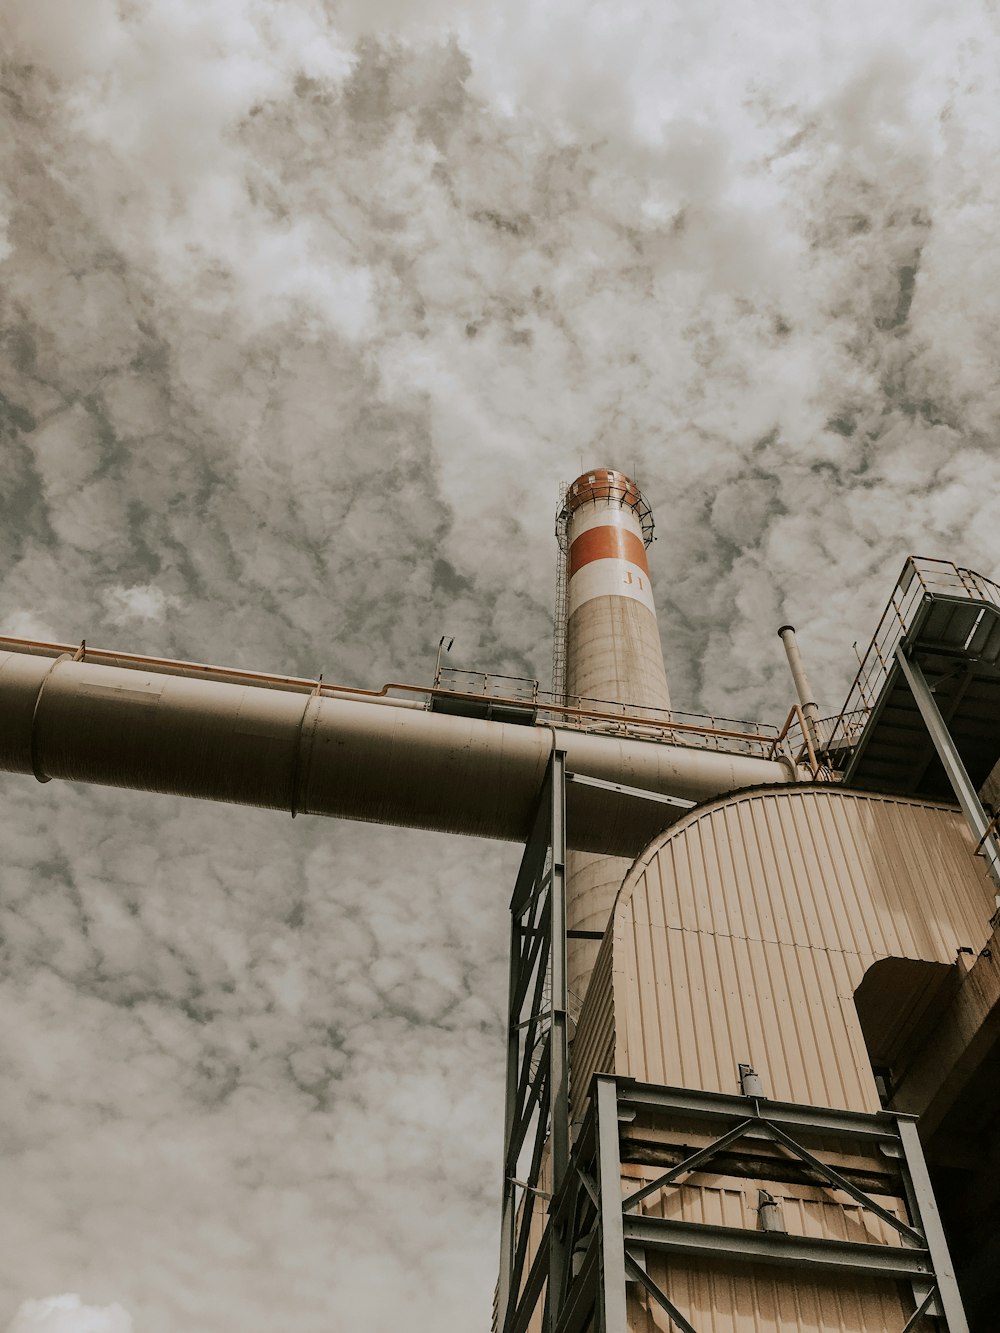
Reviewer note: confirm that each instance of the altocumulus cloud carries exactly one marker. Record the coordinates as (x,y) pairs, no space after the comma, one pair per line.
(304,312)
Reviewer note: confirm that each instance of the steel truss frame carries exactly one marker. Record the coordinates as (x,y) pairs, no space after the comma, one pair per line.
(608,1235)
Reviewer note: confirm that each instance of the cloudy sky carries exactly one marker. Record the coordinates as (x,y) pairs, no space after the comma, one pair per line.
(306,309)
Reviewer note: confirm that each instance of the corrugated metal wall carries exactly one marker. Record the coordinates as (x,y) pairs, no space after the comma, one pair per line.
(593,1048)
(719,1300)
(741,935)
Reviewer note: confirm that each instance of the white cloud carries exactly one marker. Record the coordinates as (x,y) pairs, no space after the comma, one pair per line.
(305,315)
(68,1314)
(143,601)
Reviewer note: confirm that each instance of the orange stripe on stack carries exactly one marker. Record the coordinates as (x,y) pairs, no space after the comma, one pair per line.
(607,543)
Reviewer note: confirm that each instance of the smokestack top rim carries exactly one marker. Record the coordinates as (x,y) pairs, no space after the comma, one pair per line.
(602,484)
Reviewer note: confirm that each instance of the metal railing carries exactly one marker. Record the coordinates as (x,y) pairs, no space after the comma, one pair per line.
(605,716)
(488,685)
(807,746)
(921,577)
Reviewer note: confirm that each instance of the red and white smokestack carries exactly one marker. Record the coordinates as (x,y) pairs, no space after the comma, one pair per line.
(613,653)
(612,640)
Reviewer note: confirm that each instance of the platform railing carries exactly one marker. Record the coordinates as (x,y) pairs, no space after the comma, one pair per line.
(606,716)
(921,577)
(808,746)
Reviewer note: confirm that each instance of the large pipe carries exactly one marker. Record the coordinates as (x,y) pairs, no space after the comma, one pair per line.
(312,754)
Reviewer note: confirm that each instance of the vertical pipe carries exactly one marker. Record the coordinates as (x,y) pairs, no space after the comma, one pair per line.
(803,689)
(613,654)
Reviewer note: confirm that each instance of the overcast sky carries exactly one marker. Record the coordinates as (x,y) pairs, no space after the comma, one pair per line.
(306,310)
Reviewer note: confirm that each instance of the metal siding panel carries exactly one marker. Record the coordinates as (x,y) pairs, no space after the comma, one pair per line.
(626,996)
(840,878)
(829,877)
(592,1050)
(842,875)
(650,998)
(656,895)
(724,1299)
(716,964)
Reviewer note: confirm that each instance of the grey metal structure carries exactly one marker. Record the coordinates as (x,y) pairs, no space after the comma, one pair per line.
(803,689)
(923,715)
(607,1237)
(572,1242)
(946,620)
(537,1098)
(536,1118)
(576,1264)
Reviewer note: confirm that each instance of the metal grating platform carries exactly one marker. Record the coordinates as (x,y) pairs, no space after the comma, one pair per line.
(947,620)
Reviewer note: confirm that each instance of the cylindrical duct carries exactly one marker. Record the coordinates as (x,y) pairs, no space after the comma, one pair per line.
(807,700)
(312,754)
(613,653)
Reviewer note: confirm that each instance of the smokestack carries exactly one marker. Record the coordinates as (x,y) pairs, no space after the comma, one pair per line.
(613,653)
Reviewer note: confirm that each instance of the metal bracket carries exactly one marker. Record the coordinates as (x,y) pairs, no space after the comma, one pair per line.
(637,793)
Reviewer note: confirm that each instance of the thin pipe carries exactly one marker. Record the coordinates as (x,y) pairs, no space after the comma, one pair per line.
(803,689)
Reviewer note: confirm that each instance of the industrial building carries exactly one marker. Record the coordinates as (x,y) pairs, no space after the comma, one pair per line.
(752,1056)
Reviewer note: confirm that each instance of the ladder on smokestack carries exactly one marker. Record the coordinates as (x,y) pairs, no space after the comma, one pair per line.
(559,616)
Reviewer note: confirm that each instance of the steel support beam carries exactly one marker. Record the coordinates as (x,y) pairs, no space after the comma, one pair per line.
(537,1097)
(558,1000)
(638,1274)
(962,683)
(511,1113)
(637,793)
(721,1106)
(558,1027)
(612,1316)
(951,760)
(930,1225)
(701,1239)
(526,1088)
